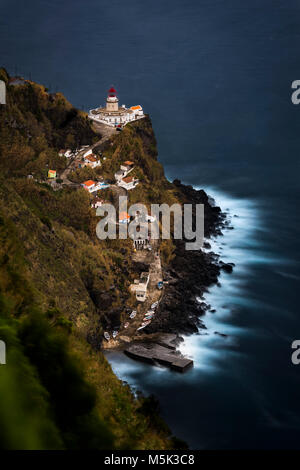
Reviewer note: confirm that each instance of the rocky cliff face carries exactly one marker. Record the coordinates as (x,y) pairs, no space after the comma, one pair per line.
(190,273)
(55,264)
(59,287)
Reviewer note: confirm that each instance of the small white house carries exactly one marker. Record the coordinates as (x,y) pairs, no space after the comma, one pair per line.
(97,202)
(92,186)
(125,168)
(140,287)
(92,161)
(128,183)
(89,185)
(141,293)
(137,110)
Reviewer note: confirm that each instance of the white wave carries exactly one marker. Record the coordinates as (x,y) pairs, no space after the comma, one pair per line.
(240,246)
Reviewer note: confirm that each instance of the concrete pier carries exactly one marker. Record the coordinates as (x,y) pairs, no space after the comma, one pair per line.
(156,354)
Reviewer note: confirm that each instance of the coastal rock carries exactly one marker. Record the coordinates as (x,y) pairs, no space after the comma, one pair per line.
(190,274)
(227,267)
(220,334)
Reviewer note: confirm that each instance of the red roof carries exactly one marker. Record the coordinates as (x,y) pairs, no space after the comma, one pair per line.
(112,91)
(91,158)
(129,179)
(89,183)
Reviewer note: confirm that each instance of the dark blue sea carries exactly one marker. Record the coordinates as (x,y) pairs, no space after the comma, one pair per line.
(215,77)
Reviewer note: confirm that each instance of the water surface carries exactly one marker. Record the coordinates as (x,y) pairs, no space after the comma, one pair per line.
(215,76)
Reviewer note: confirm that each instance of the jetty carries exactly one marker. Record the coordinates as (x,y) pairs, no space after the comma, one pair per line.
(154,353)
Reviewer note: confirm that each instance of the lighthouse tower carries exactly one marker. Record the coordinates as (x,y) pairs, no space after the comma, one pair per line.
(113,115)
(112,102)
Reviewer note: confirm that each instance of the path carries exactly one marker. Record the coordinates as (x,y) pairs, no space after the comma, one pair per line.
(127,335)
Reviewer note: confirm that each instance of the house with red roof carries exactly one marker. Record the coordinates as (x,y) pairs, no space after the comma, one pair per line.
(89,185)
(92,161)
(128,183)
(125,168)
(97,202)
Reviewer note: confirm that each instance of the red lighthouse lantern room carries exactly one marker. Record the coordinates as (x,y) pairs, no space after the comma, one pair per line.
(112,92)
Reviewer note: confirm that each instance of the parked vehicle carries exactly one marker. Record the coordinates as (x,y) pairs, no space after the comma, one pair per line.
(106,336)
(115,334)
(133,314)
(126,325)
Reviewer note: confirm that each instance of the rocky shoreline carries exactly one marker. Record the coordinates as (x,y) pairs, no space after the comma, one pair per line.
(182,306)
(190,274)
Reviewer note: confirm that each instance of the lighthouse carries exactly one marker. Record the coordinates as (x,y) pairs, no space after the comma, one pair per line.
(113,115)
(112,102)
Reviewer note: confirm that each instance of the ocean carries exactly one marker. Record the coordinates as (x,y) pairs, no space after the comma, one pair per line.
(215,77)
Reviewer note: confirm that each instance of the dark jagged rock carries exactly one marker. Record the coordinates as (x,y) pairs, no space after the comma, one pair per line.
(221,334)
(190,274)
(227,267)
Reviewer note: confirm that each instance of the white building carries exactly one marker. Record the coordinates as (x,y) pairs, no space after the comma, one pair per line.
(125,168)
(114,115)
(97,202)
(92,161)
(89,185)
(128,183)
(140,287)
(92,186)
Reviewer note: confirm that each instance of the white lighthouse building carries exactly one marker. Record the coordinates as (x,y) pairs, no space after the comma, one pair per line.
(115,115)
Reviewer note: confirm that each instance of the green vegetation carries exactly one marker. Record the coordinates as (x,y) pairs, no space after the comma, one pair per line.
(34,126)
(60,286)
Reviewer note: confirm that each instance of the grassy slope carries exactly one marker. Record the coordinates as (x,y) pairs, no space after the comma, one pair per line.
(58,287)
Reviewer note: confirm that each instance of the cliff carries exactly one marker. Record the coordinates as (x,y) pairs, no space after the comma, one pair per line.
(61,287)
